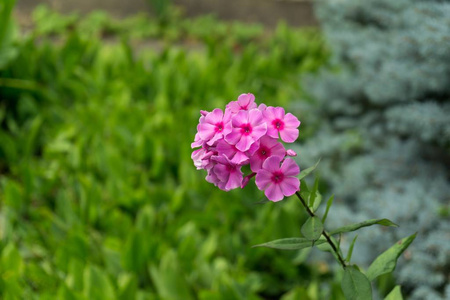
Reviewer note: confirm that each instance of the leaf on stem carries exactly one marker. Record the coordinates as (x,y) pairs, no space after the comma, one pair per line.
(355,285)
(395,294)
(304,190)
(312,229)
(386,261)
(350,251)
(291,243)
(308,171)
(313,194)
(329,203)
(356,226)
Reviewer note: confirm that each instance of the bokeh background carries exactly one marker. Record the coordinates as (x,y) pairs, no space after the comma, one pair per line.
(99,102)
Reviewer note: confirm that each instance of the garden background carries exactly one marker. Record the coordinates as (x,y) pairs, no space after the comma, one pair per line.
(99,198)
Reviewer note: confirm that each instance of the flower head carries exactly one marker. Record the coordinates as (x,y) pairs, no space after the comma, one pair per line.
(279,122)
(277,181)
(247,134)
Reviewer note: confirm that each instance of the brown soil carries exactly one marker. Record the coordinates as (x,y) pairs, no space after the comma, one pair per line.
(268,12)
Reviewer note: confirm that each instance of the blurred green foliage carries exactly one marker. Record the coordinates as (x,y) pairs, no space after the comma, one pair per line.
(99,198)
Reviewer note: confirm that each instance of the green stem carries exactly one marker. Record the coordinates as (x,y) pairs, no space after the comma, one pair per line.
(324,233)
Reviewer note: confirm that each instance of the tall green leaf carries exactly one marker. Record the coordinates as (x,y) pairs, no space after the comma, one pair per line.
(313,194)
(387,260)
(291,243)
(350,251)
(356,226)
(329,203)
(308,171)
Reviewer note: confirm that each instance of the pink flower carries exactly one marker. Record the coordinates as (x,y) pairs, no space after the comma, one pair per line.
(268,147)
(228,175)
(244,102)
(234,154)
(214,126)
(198,142)
(278,122)
(201,158)
(277,181)
(248,127)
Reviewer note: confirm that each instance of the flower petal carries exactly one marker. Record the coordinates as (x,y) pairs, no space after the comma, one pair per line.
(206,131)
(272,132)
(246,101)
(240,118)
(289,186)
(240,158)
(289,135)
(234,181)
(214,117)
(259,131)
(263,179)
(278,112)
(224,148)
(278,150)
(255,117)
(221,172)
(244,143)
(272,164)
(274,193)
(234,136)
(255,163)
(290,167)
(291,121)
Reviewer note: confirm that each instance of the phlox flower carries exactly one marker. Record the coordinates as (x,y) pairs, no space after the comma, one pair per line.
(227,175)
(201,158)
(277,181)
(248,127)
(267,147)
(279,122)
(214,126)
(248,134)
(244,102)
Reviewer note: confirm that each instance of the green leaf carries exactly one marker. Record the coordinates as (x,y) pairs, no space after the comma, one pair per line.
(96,284)
(356,226)
(291,243)
(312,229)
(386,261)
(169,278)
(308,171)
(304,190)
(329,203)
(313,194)
(350,251)
(395,294)
(355,285)
(317,202)
(11,261)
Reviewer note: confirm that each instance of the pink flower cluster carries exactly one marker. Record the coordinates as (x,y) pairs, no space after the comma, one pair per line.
(247,134)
